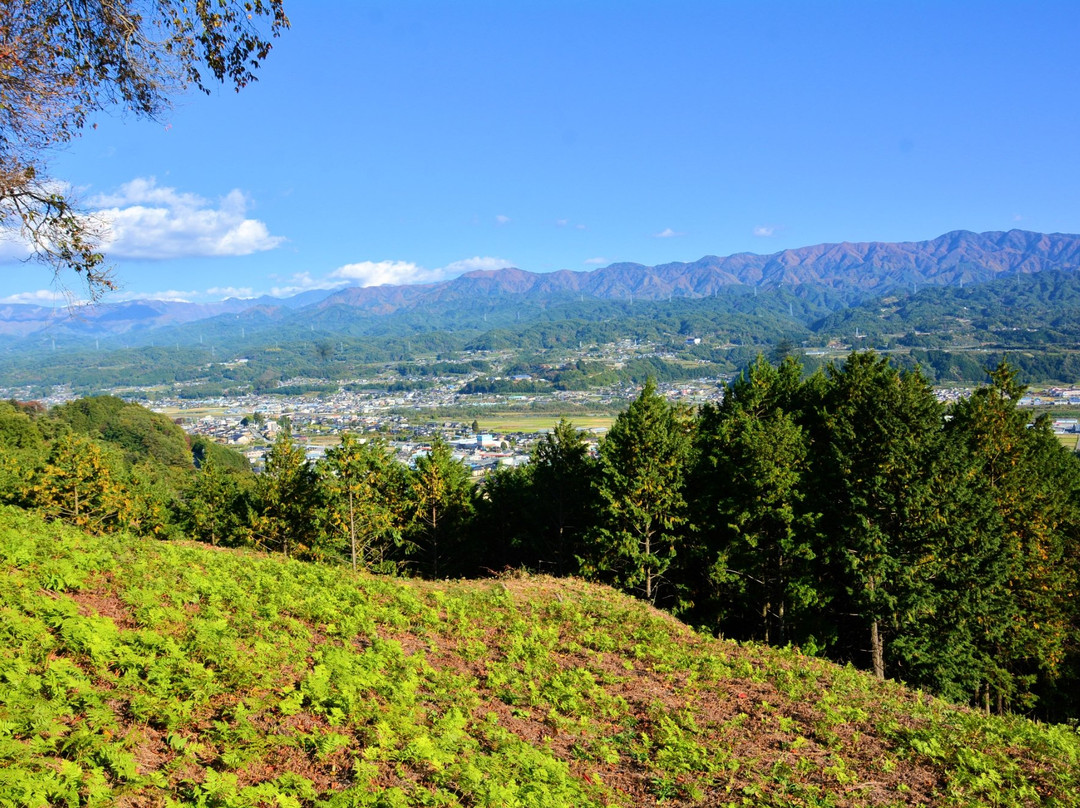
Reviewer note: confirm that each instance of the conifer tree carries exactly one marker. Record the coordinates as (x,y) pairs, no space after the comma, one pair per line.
(441,503)
(642,522)
(287,505)
(536,515)
(756,536)
(364,499)
(211,507)
(1013,583)
(881,432)
(562,475)
(83,483)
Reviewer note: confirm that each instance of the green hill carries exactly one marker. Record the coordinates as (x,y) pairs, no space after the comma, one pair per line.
(137,672)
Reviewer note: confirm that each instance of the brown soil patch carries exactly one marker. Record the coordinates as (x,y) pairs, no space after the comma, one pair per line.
(100,599)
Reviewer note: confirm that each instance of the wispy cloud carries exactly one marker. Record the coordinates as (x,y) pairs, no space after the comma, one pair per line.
(360,273)
(40,297)
(597,261)
(231,291)
(472,264)
(501,219)
(304,282)
(169,295)
(13,247)
(147,221)
(667,232)
(765,230)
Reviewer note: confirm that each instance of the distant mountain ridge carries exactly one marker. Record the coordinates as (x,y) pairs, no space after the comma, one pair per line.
(846,272)
(132,315)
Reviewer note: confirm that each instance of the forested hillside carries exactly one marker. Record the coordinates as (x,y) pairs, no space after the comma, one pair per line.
(143,672)
(846,512)
(953,333)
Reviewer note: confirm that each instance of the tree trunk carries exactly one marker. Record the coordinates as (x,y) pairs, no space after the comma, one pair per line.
(648,570)
(352,530)
(877,649)
(434,542)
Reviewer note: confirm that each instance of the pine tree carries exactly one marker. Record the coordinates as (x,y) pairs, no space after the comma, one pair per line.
(506,531)
(536,515)
(562,475)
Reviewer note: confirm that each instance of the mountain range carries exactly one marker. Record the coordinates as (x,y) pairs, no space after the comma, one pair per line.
(832,276)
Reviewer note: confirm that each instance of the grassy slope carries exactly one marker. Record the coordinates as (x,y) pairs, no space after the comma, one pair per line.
(134,672)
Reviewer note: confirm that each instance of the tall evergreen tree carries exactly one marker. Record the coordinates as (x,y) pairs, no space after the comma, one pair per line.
(82,482)
(562,475)
(882,440)
(440,495)
(364,500)
(642,524)
(756,536)
(536,515)
(506,531)
(211,508)
(1014,584)
(287,505)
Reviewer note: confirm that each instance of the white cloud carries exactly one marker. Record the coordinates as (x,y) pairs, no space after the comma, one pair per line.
(378,273)
(765,230)
(303,282)
(361,273)
(667,232)
(146,191)
(40,297)
(501,219)
(562,222)
(471,264)
(13,247)
(148,221)
(597,261)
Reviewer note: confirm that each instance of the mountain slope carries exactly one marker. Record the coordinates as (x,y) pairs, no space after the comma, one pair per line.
(854,269)
(137,672)
(840,274)
(1041,309)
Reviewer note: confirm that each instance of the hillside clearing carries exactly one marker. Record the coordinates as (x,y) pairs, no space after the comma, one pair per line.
(139,673)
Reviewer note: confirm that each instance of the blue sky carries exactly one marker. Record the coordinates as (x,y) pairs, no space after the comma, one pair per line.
(411,141)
